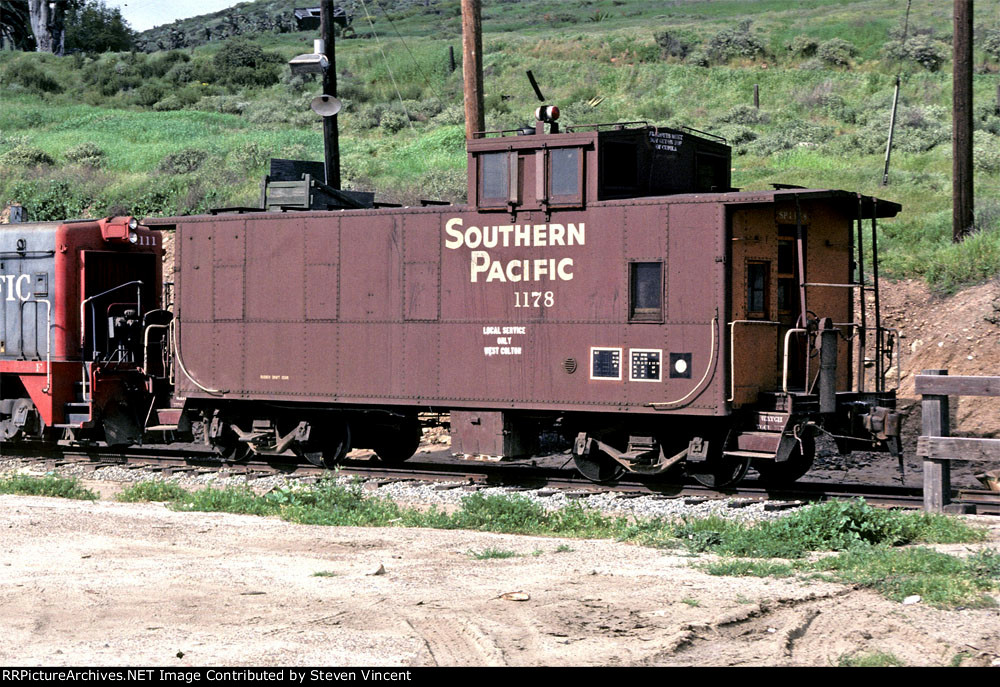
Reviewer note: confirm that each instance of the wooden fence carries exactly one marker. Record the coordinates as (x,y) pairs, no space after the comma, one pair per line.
(935,445)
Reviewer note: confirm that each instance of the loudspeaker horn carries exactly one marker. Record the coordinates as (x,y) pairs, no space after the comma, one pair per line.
(325,105)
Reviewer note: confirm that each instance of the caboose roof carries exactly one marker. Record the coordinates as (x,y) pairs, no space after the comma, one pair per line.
(847,200)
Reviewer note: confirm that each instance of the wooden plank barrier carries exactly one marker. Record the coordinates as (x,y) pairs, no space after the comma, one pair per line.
(935,445)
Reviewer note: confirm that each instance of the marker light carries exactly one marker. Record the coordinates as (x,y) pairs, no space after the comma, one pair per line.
(547,113)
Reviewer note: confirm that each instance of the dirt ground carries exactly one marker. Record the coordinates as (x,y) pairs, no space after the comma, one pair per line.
(106,583)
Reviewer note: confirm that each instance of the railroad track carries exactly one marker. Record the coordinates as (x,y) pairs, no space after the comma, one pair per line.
(434,467)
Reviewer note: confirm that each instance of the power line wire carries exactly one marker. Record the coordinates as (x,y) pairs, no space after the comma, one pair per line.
(403,41)
(386,59)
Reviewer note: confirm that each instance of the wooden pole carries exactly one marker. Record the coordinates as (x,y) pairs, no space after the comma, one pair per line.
(937,473)
(331,135)
(472,66)
(962,198)
(451,60)
(756,96)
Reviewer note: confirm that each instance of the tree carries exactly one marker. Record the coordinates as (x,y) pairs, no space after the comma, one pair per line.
(93,27)
(15,25)
(48,25)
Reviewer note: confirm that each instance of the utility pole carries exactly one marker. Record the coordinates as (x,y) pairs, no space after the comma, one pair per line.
(961,138)
(472,66)
(331,135)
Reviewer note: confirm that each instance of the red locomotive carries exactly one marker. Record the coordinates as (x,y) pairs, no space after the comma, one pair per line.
(604,281)
(82,343)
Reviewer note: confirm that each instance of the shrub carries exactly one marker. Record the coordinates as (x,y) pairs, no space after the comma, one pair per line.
(181,73)
(991,42)
(51,200)
(226,104)
(699,58)
(182,162)
(450,115)
(28,75)
(732,43)
(745,114)
(836,52)
(171,102)
(392,121)
(242,63)
(147,95)
(986,152)
(250,156)
(26,156)
(672,45)
(87,154)
(920,48)
(802,46)
(789,135)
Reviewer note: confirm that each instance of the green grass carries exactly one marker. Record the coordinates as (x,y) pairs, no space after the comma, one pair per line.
(49,485)
(742,567)
(874,659)
(325,573)
(939,579)
(152,491)
(491,553)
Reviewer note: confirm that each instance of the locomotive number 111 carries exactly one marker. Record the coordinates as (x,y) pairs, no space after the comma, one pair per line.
(533,299)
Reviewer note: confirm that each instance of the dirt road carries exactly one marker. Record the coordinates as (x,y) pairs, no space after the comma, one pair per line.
(106,583)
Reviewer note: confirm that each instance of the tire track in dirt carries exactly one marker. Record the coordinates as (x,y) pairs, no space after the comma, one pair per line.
(457,642)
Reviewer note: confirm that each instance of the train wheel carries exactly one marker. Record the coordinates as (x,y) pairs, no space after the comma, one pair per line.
(798,464)
(398,443)
(720,470)
(598,466)
(331,447)
(232,450)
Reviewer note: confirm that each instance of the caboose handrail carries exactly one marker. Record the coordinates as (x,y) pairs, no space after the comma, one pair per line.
(708,368)
(784,364)
(732,354)
(83,320)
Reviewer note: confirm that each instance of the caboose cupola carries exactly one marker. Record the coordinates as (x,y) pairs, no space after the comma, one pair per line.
(529,169)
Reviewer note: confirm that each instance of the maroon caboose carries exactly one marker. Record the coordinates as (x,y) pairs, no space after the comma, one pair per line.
(82,341)
(605,282)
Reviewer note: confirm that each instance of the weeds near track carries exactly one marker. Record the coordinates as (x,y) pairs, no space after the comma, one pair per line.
(152,491)
(867,540)
(49,485)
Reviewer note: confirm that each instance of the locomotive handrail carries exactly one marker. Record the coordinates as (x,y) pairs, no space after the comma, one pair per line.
(93,315)
(732,349)
(48,338)
(145,344)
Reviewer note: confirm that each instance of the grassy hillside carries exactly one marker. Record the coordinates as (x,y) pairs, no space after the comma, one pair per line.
(182,131)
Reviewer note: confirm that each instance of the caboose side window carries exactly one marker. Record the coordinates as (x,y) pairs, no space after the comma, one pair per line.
(758,287)
(646,291)
(565,176)
(494,179)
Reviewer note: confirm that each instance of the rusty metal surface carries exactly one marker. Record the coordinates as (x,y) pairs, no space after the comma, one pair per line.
(415,307)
